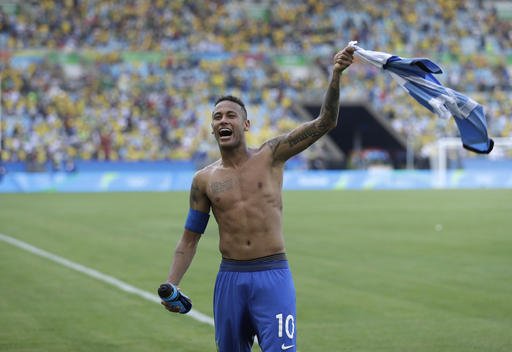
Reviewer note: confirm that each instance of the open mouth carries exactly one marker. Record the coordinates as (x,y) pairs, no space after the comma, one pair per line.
(225,133)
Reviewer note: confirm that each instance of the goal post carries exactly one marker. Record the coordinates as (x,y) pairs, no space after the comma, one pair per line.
(502,151)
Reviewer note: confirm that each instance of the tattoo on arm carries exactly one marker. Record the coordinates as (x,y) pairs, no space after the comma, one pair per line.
(331,105)
(194,193)
(274,143)
(310,132)
(284,147)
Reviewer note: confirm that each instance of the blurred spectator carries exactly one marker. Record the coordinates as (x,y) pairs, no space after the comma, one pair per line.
(135,80)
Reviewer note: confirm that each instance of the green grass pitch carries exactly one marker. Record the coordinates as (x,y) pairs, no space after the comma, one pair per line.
(374,271)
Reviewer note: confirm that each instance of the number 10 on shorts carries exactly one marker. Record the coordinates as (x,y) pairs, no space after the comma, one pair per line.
(289,325)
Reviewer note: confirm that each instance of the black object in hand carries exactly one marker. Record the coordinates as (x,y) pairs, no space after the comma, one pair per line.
(173,297)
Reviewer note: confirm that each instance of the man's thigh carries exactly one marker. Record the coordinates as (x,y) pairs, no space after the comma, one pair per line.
(273,310)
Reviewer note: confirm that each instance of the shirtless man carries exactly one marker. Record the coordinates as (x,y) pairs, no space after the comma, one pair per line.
(254,292)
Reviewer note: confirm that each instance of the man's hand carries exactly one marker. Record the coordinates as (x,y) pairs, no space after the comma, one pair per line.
(173,299)
(170,307)
(343,59)
(183,306)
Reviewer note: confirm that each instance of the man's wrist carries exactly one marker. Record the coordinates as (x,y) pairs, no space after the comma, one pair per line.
(336,75)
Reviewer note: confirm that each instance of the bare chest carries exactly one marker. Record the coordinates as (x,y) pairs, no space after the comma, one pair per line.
(228,188)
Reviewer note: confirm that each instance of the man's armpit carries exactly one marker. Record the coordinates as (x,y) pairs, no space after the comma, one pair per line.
(274,143)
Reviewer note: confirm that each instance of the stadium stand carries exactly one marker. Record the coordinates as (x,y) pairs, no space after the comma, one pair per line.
(135,80)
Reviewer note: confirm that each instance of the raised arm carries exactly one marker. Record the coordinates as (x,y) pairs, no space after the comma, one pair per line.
(194,227)
(285,146)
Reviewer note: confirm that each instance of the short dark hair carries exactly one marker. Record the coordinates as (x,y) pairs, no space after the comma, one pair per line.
(234,100)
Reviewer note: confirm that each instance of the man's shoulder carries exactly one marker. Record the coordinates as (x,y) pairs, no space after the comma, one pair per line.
(205,172)
(269,149)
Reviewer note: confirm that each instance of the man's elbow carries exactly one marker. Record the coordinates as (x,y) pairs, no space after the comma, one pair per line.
(326,125)
(332,125)
(190,239)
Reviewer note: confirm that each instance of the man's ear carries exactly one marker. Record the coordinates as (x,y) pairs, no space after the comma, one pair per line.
(247,124)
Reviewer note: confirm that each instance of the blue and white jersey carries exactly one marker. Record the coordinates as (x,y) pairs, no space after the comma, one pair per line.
(415,75)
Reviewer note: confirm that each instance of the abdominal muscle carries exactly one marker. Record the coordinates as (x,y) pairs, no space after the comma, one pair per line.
(250,229)
(246,202)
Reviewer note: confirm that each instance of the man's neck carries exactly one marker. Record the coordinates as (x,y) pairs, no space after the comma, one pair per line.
(235,157)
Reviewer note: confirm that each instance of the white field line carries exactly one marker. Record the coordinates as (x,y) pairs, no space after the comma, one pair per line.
(194,314)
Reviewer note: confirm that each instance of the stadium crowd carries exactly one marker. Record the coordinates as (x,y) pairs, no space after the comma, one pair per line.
(95,101)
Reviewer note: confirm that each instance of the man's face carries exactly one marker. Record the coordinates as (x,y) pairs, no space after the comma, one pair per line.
(229,124)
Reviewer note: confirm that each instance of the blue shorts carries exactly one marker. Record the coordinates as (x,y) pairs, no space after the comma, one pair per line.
(255,298)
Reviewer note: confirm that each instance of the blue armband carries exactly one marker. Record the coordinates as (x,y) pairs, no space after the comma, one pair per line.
(197,221)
